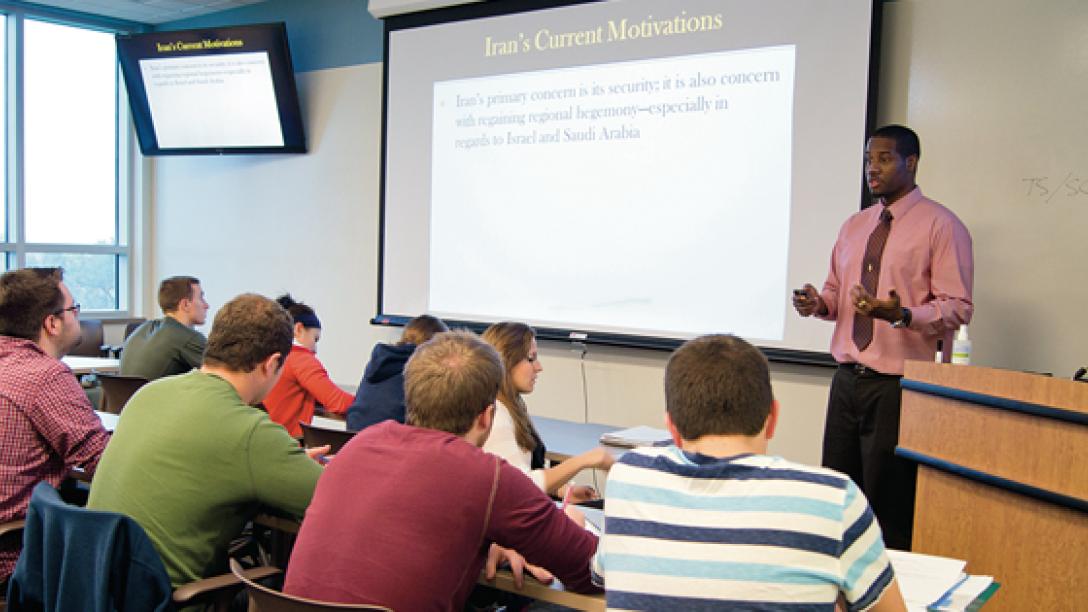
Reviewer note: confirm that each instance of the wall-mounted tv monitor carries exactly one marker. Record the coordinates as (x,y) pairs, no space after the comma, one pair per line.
(213,91)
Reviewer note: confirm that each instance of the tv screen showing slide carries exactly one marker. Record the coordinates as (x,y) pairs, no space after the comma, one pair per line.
(638,172)
(213,91)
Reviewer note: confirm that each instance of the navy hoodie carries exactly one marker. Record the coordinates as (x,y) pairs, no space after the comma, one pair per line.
(381,392)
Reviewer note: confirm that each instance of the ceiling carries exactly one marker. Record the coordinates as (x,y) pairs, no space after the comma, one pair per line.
(148,11)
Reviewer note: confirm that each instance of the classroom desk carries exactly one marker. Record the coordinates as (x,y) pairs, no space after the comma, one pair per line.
(553,593)
(90,365)
(287,529)
(109,420)
(565,439)
(329,423)
(568,439)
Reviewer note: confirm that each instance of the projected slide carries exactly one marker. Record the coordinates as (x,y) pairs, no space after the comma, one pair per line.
(212,100)
(640,171)
(577,195)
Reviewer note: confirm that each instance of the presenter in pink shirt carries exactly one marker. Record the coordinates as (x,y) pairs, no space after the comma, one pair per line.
(900,281)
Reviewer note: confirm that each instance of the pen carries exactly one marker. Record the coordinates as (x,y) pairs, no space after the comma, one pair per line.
(566,497)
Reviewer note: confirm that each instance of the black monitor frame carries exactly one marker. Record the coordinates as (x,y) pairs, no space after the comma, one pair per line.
(268,37)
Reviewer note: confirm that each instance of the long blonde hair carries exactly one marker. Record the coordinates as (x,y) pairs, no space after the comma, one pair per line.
(513,341)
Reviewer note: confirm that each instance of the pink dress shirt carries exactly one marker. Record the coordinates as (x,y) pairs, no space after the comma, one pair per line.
(47,426)
(927,260)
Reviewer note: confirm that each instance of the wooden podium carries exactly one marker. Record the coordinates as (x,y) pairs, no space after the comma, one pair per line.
(1002,478)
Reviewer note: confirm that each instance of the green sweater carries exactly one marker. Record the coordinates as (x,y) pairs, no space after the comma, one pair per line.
(162,347)
(191,464)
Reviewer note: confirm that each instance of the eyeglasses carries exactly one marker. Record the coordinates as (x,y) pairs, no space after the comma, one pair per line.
(73,308)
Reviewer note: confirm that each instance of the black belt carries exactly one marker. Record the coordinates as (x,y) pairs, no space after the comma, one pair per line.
(858,369)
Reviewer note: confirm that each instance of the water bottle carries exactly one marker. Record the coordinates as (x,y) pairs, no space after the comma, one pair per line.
(961,347)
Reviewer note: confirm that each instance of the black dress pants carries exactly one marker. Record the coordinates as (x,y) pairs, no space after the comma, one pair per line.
(860,436)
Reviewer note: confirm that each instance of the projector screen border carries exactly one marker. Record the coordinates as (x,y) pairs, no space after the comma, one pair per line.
(462,12)
(551,334)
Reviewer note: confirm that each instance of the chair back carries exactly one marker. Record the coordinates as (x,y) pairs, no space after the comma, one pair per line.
(131,327)
(12,529)
(264,599)
(79,559)
(117,389)
(91,339)
(320,436)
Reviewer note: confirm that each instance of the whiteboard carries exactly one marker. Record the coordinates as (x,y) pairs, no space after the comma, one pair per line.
(997,91)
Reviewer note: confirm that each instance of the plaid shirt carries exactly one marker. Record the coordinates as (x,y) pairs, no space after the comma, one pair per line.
(47,426)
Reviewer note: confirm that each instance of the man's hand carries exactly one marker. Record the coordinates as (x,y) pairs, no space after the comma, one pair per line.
(869,306)
(809,303)
(497,555)
(317,453)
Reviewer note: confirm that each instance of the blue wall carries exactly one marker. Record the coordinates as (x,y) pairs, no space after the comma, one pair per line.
(322,33)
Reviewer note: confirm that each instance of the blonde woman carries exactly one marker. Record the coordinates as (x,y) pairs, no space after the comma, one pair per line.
(513,436)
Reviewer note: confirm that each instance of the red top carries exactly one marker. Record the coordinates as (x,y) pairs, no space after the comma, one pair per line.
(47,426)
(927,260)
(303,383)
(403,518)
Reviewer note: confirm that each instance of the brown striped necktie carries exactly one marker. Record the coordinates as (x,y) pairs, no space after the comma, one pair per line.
(870,274)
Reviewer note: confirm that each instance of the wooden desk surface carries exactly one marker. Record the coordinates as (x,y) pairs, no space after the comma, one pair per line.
(87,365)
(504,580)
(554,593)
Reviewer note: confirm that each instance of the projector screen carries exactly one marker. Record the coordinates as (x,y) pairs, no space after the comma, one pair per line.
(216,90)
(635,172)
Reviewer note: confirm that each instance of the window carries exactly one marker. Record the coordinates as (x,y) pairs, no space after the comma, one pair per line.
(67,126)
(5,218)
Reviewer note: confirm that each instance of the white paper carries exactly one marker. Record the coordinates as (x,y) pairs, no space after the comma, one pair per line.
(923,579)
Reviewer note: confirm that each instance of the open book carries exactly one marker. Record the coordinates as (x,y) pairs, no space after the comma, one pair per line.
(936,583)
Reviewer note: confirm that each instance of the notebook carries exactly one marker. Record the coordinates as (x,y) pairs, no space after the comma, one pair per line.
(637,436)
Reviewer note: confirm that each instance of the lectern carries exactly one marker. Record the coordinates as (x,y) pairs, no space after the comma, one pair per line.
(1002,478)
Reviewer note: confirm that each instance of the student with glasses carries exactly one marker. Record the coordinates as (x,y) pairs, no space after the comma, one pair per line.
(47,424)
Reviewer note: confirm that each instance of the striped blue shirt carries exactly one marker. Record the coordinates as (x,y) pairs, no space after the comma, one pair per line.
(689,532)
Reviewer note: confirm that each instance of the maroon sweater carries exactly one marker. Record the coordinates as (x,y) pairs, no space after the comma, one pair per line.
(403,517)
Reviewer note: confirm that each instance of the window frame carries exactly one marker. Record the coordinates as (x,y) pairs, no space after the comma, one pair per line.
(128,169)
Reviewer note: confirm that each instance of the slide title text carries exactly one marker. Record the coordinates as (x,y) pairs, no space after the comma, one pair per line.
(615,30)
(199,45)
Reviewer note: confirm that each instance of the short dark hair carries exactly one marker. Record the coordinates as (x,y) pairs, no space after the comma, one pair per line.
(299,312)
(422,329)
(175,289)
(906,141)
(246,331)
(717,385)
(450,380)
(27,297)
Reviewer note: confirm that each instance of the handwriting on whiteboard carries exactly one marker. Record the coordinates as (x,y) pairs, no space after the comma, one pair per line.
(1048,188)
